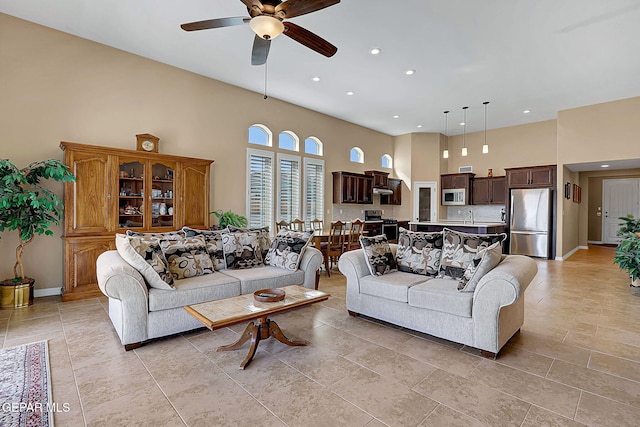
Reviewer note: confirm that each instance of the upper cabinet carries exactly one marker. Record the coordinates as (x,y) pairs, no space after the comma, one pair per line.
(116,190)
(531,177)
(395,185)
(489,191)
(380,179)
(456,180)
(350,187)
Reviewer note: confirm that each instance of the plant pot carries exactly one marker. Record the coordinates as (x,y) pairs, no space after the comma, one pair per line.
(16,293)
(635,287)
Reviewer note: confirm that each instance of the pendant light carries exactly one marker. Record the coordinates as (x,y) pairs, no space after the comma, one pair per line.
(464,133)
(445,153)
(485,146)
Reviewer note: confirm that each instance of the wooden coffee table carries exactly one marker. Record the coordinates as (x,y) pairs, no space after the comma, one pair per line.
(230,311)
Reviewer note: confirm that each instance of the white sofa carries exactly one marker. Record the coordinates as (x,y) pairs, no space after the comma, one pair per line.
(484,319)
(140,313)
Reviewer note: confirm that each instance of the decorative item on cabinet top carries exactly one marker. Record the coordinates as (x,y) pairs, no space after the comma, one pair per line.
(147,142)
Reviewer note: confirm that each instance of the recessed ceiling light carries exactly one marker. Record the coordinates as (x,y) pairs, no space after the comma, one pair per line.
(396,116)
(410,72)
(374,51)
(526,111)
(350,93)
(419,126)
(316,79)
(604,166)
(462,123)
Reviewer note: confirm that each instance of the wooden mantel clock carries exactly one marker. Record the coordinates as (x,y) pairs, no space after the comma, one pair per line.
(147,142)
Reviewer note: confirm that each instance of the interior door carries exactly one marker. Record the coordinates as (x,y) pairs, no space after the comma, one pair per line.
(620,198)
(425,201)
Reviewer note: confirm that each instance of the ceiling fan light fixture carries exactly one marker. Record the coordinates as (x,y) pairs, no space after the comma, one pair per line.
(266,27)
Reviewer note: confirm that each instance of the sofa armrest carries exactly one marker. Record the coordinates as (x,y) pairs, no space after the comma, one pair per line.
(120,281)
(310,263)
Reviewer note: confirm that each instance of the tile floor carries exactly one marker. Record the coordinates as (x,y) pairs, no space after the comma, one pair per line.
(575,362)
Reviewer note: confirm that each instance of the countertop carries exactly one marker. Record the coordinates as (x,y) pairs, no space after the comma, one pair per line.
(445,223)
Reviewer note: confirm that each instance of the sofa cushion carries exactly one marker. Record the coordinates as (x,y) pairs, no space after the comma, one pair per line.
(194,290)
(287,249)
(187,257)
(484,261)
(213,239)
(265,277)
(459,250)
(393,286)
(377,252)
(145,255)
(241,250)
(419,252)
(441,295)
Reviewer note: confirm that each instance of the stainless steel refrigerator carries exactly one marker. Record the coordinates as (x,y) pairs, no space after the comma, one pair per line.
(530,222)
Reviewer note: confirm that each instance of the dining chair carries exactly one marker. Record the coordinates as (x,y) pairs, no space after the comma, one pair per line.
(317,226)
(353,237)
(335,245)
(282,224)
(297,224)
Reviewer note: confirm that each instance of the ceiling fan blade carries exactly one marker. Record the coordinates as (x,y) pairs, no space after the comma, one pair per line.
(251,3)
(260,50)
(309,39)
(215,23)
(292,8)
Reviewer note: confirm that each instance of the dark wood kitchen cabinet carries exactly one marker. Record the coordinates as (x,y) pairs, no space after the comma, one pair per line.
(395,185)
(531,177)
(350,187)
(456,180)
(489,190)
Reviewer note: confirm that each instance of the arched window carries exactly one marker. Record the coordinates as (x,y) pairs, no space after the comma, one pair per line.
(386,162)
(260,135)
(313,145)
(288,140)
(356,155)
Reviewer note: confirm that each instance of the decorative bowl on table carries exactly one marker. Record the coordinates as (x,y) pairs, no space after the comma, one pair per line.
(268,295)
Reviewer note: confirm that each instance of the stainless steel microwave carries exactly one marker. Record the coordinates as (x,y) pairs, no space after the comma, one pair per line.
(453,196)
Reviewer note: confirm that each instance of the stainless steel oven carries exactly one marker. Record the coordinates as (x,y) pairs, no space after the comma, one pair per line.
(390,229)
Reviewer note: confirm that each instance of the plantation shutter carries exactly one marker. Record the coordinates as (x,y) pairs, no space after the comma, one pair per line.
(260,192)
(288,187)
(314,189)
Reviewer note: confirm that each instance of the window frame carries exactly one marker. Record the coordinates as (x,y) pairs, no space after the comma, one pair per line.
(266,154)
(360,155)
(296,213)
(305,214)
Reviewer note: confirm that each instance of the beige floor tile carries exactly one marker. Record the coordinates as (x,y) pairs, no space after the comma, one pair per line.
(601,412)
(386,399)
(84,313)
(537,342)
(321,365)
(530,388)
(72,305)
(616,366)
(391,364)
(541,417)
(445,416)
(37,326)
(42,309)
(335,340)
(474,399)
(596,382)
(444,357)
(516,357)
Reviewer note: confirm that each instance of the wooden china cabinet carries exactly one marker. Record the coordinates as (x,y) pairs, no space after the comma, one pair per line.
(118,190)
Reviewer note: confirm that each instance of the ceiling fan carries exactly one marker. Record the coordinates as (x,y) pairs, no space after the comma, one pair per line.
(266,20)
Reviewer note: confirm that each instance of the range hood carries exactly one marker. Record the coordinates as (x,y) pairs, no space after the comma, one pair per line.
(382,191)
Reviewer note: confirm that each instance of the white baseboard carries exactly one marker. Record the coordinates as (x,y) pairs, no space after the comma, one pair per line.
(571,252)
(583,247)
(47,292)
(595,242)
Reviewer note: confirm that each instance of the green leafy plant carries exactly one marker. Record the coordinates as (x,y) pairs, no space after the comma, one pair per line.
(229,218)
(27,207)
(627,255)
(629,225)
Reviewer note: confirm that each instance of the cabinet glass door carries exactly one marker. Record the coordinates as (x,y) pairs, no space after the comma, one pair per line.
(131,196)
(162,194)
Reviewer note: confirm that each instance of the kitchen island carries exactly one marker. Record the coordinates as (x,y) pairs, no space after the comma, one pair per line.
(478,227)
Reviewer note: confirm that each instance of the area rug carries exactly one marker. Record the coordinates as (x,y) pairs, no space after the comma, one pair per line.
(25,386)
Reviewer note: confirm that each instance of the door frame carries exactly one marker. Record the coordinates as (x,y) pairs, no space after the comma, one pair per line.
(417,185)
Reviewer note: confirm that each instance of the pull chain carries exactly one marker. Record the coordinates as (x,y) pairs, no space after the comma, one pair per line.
(265,81)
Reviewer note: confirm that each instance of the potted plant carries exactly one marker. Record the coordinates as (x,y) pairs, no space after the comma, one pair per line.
(627,253)
(229,218)
(28,208)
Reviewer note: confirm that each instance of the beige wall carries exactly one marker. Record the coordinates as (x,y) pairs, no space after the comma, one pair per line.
(569,220)
(57,87)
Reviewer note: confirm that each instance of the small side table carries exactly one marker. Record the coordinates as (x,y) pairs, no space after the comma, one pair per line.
(16,295)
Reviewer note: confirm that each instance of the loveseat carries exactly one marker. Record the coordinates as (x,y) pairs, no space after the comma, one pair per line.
(141,312)
(427,300)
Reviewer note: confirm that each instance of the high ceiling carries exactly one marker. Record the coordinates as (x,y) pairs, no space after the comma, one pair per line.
(542,55)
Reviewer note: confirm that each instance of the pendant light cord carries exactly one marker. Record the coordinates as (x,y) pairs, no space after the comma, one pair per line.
(485,121)
(265,81)
(464,128)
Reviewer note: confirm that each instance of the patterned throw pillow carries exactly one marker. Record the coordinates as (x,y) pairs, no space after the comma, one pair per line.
(145,255)
(419,252)
(378,255)
(287,249)
(484,261)
(187,257)
(264,241)
(459,249)
(169,235)
(242,250)
(213,238)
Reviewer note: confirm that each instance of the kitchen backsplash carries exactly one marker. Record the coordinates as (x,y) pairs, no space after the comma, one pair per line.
(483,213)
(349,212)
